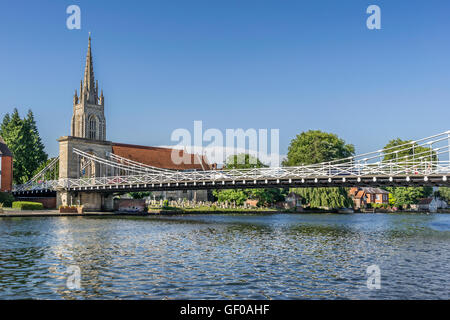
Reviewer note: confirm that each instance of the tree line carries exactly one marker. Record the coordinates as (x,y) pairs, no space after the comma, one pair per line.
(22,138)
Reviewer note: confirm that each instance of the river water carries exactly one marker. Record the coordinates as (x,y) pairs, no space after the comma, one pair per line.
(278,256)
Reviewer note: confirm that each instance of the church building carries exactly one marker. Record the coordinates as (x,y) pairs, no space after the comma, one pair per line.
(88,133)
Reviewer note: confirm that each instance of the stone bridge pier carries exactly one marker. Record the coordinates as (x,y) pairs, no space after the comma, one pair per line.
(91,201)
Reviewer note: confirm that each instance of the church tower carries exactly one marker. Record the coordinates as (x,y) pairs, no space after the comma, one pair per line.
(88,119)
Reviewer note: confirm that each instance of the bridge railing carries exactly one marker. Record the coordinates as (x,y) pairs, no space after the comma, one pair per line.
(332,171)
(409,168)
(425,157)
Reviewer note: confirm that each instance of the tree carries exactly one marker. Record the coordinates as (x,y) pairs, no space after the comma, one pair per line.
(22,138)
(231,195)
(49,175)
(408,150)
(404,196)
(325,197)
(313,147)
(444,193)
(36,153)
(140,195)
(243,161)
(264,196)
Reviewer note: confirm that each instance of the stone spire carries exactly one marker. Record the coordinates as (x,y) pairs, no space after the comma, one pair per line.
(88,118)
(89,86)
(75,98)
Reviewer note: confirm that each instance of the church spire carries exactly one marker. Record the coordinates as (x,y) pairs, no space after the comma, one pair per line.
(88,118)
(89,88)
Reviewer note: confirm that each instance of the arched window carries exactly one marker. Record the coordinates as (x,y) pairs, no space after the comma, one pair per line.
(92,127)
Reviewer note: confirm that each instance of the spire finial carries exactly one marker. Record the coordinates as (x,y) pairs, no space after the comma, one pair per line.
(89,81)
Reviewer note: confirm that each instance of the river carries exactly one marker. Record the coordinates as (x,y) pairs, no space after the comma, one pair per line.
(276,256)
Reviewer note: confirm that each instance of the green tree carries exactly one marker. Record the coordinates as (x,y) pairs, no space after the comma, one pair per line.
(49,175)
(243,161)
(313,147)
(407,150)
(325,197)
(140,195)
(444,193)
(404,196)
(231,195)
(22,138)
(265,196)
(36,149)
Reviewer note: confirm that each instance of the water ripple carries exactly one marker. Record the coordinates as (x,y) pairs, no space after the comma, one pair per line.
(226,257)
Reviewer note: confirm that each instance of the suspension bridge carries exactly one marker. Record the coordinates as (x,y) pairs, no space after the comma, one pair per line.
(424,162)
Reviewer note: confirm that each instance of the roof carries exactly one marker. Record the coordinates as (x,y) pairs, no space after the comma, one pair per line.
(360,194)
(4,150)
(293,195)
(374,190)
(161,157)
(425,201)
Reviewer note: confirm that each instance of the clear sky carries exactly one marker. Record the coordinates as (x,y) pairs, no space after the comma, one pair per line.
(292,65)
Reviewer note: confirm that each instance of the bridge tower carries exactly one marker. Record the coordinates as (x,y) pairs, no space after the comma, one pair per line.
(88,133)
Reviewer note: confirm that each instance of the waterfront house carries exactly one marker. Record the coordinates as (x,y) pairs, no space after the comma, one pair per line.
(293,200)
(362,196)
(430,205)
(251,202)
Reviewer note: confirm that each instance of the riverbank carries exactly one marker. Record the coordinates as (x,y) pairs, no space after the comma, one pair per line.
(212,210)
(11,213)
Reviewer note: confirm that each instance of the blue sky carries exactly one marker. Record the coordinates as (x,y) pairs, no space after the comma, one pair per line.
(292,65)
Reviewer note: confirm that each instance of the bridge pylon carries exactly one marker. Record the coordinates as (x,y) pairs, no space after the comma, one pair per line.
(72,166)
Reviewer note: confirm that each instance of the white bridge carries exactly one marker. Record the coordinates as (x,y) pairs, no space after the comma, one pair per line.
(424,162)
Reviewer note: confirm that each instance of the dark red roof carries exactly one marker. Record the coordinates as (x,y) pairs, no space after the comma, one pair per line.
(161,157)
(425,201)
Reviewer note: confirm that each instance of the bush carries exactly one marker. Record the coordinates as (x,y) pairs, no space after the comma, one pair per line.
(27,205)
(6,198)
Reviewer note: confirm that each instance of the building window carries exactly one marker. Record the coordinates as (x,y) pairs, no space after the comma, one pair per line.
(378,197)
(92,127)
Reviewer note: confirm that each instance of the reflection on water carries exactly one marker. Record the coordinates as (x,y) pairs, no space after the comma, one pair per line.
(280,256)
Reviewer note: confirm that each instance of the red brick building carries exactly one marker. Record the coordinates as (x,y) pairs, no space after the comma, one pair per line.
(362,196)
(6,167)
